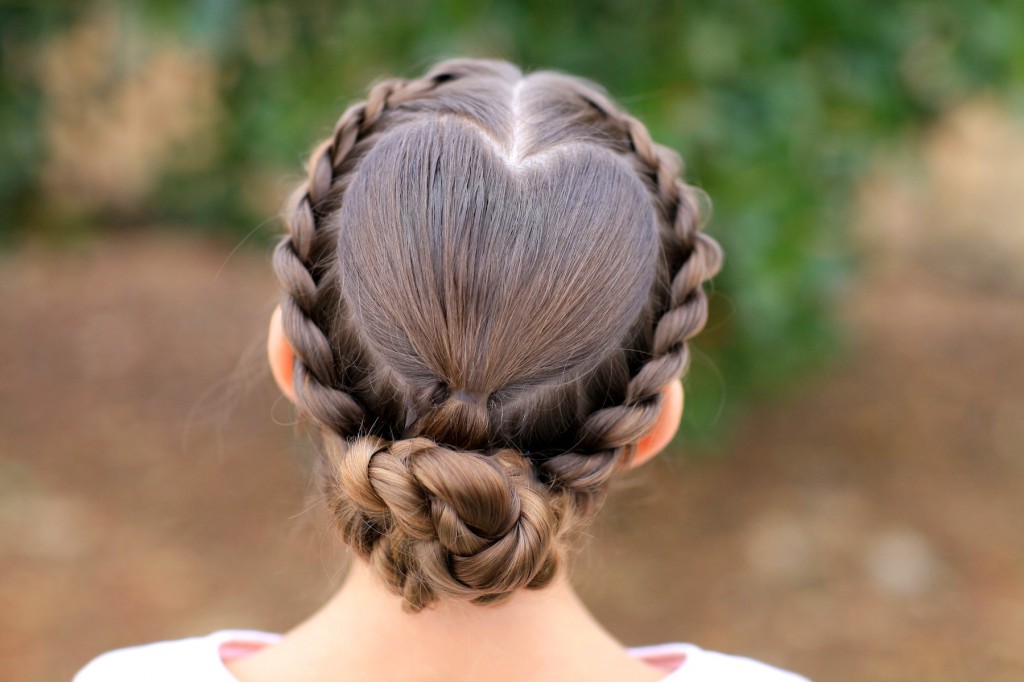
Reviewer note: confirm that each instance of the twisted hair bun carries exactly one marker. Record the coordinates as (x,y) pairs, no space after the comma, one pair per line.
(445,523)
(488,279)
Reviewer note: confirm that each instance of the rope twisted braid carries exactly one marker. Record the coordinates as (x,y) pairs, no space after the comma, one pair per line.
(299,257)
(699,258)
(433,485)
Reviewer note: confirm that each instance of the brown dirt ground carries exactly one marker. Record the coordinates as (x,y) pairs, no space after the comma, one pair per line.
(865,526)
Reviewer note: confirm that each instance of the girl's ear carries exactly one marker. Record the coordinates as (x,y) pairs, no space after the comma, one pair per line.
(665,428)
(281,356)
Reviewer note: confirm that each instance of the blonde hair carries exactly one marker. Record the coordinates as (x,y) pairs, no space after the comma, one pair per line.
(488,279)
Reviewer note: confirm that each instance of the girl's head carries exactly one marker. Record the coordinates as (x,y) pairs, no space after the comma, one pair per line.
(489,283)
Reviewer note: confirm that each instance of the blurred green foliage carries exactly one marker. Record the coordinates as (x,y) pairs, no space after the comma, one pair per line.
(776,107)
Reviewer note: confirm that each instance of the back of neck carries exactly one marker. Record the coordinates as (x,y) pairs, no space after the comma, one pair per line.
(363,633)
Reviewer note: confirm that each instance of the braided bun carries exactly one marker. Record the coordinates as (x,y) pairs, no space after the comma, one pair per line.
(488,279)
(457,524)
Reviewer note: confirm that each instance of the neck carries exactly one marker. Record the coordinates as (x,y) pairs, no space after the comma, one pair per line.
(363,633)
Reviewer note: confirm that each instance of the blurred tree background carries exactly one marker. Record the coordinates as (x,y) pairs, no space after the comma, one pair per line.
(196,114)
(865,161)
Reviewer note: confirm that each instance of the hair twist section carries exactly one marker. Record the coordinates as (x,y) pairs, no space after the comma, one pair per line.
(438,522)
(300,257)
(691,258)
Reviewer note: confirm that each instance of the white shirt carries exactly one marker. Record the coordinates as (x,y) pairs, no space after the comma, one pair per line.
(201,659)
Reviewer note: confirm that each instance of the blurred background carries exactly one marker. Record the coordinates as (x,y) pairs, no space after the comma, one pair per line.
(846,496)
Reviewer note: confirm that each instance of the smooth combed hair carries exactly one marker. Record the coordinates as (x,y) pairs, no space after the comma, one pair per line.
(488,278)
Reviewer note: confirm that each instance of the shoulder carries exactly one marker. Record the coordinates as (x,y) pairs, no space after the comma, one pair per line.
(192,658)
(700,665)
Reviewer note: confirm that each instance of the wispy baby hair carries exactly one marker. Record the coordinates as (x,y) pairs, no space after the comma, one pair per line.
(488,277)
